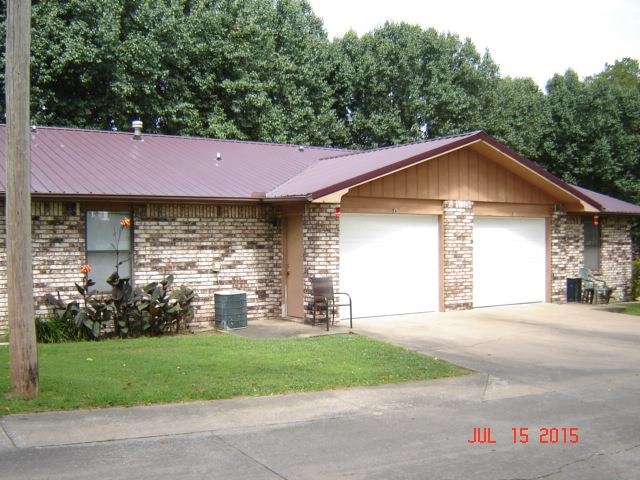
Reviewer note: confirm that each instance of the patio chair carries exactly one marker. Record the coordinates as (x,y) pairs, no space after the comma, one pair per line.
(326,300)
(594,288)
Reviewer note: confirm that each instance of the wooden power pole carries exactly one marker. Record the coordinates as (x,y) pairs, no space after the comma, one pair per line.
(22,335)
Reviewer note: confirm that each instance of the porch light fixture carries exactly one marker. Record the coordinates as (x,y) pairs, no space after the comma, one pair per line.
(596,220)
(337,211)
(218,159)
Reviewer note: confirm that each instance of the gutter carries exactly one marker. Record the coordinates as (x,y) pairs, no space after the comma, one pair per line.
(142,198)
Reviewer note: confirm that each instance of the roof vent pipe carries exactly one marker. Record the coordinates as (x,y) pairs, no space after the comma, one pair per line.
(137,129)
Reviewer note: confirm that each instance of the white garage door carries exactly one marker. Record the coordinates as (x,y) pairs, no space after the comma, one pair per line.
(389,263)
(509,261)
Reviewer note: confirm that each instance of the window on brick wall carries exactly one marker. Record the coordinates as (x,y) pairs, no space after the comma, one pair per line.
(108,246)
(591,244)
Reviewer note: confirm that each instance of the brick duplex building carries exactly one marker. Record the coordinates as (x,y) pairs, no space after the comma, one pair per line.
(450,223)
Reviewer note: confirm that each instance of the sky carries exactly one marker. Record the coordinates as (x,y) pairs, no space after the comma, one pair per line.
(534,39)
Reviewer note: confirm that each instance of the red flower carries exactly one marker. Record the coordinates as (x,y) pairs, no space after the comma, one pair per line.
(85,268)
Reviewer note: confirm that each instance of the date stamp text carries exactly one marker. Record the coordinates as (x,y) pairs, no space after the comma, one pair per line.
(541,435)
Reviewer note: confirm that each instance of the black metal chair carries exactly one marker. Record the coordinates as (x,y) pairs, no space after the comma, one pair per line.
(326,300)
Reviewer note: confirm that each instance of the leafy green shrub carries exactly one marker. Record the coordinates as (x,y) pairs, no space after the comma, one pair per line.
(91,316)
(636,278)
(53,329)
(150,310)
(128,312)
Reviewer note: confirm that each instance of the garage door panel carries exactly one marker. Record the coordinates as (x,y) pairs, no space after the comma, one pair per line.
(389,263)
(509,261)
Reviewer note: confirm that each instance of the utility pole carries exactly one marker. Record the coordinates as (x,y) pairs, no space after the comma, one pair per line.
(22,334)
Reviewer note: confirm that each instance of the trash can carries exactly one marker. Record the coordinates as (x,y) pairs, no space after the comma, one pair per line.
(574,289)
(230,309)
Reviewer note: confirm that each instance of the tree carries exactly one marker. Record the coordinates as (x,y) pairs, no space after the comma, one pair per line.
(401,83)
(100,65)
(263,67)
(595,135)
(246,69)
(517,116)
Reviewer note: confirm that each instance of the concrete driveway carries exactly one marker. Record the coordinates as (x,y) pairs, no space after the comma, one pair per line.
(567,375)
(551,347)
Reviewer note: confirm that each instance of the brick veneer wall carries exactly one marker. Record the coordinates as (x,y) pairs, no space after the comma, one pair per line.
(3,272)
(245,240)
(58,242)
(321,247)
(457,252)
(567,252)
(58,239)
(616,256)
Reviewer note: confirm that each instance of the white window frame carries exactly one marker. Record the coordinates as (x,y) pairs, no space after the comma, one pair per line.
(100,246)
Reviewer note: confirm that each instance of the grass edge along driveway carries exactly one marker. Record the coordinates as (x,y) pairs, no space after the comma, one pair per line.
(632,308)
(205,367)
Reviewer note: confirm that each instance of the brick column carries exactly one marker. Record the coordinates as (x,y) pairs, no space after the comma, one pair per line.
(616,256)
(321,246)
(567,252)
(457,254)
(559,261)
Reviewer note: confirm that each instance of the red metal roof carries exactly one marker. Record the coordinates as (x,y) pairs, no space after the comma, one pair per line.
(75,162)
(610,204)
(90,163)
(336,173)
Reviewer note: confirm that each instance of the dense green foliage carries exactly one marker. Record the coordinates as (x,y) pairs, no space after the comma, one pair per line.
(594,139)
(250,69)
(636,278)
(55,329)
(204,367)
(265,70)
(402,83)
(128,312)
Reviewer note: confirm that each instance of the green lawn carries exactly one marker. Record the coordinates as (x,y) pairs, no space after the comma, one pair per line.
(202,367)
(632,309)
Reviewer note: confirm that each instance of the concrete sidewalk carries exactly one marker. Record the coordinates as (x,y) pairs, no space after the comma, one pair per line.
(224,416)
(288,329)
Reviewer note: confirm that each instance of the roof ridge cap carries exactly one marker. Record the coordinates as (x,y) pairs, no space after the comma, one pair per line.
(185,137)
(402,145)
